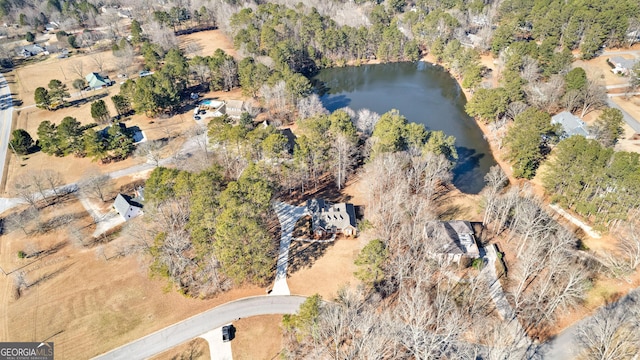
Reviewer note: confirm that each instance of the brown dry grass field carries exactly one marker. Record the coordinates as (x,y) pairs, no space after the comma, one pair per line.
(208,42)
(196,349)
(83,303)
(86,304)
(257,338)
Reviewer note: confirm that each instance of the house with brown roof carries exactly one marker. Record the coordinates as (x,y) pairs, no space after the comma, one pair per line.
(450,241)
(328,218)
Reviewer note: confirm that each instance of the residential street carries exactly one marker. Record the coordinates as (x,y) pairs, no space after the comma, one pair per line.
(635,125)
(203,323)
(6,116)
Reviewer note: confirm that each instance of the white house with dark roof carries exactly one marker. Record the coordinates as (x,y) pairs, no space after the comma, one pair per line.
(621,65)
(450,241)
(571,124)
(127,207)
(328,218)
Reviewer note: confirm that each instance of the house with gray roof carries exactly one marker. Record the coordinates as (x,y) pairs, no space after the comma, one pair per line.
(621,65)
(127,206)
(450,241)
(328,218)
(234,108)
(31,50)
(97,81)
(571,124)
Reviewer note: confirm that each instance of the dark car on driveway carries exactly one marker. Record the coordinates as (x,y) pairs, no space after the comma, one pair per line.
(226,333)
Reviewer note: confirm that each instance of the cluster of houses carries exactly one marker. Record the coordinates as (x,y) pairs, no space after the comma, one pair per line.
(449,241)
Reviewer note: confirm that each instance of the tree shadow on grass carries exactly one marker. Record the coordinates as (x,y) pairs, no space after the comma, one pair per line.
(51,275)
(325,189)
(305,254)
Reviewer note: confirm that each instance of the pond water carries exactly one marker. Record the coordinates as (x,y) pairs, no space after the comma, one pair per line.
(423,93)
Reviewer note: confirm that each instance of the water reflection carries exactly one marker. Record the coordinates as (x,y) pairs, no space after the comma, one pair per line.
(422,92)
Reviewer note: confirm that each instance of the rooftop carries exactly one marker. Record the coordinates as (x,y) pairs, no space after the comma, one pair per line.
(331,216)
(621,62)
(123,202)
(452,237)
(571,124)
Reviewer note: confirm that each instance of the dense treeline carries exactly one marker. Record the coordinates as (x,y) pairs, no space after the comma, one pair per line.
(70,137)
(596,182)
(210,231)
(306,42)
(568,24)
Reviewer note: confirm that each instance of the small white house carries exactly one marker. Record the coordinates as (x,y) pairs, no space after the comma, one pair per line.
(127,207)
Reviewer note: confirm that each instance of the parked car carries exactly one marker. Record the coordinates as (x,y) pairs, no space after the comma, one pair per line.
(226,333)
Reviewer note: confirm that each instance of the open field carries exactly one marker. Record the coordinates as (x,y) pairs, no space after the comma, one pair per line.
(38,74)
(84,303)
(206,43)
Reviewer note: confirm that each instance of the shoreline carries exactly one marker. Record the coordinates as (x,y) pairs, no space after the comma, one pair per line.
(496,152)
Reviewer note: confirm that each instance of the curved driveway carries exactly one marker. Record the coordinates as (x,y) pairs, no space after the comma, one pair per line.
(200,324)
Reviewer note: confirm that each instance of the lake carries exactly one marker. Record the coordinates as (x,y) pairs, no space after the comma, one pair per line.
(423,93)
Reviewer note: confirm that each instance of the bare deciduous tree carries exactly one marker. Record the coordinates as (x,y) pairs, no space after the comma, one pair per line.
(629,241)
(514,109)
(151,150)
(77,68)
(124,59)
(19,283)
(275,97)
(96,185)
(365,120)
(594,97)
(546,95)
(99,61)
(53,180)
(343,158)
(612,333)
(496,180)
(229,73)
(311,106)
(161,35)
(21,219)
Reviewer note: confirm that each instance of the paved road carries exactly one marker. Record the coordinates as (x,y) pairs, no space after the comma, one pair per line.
(636,53)
(203,323)
(6,116)
(624,94)
(635,125)
(288,215)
